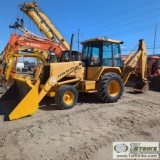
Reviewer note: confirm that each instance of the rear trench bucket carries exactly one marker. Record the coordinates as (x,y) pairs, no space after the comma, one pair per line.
(141,86)
(20,100)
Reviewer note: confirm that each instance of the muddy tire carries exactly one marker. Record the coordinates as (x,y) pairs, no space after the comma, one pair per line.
(66,97)
(110,87)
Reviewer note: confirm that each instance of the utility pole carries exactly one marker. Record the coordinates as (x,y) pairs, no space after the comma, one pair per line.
(155,39)
(78,38)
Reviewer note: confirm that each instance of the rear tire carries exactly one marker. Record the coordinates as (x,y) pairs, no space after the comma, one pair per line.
(66,97)
(110,87)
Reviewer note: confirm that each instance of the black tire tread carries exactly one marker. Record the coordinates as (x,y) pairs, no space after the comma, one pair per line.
(59,95)
(103,84)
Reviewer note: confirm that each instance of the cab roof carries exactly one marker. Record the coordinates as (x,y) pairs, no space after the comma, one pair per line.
(102,39)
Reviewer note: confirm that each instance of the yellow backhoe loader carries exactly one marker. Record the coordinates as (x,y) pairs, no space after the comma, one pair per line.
(100,71)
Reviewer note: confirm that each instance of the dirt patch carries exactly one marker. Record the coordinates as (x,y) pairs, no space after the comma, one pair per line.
(85,132)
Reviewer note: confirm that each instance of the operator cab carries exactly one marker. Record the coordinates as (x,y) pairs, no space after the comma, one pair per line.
(102,52)
(153,65)
(52,58)
(75,56)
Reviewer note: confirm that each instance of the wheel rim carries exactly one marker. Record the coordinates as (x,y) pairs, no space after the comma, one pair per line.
(68,98)
(113,88)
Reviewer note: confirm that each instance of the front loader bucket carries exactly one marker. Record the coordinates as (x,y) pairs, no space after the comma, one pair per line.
(20,100)
(141,86)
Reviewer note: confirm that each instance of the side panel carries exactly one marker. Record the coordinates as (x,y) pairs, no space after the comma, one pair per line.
(94,73)
(56,74)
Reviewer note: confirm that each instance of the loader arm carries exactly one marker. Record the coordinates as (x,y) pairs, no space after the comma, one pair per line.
(57,72)
(9,61)
(23,97)
(34,55)
(131,61)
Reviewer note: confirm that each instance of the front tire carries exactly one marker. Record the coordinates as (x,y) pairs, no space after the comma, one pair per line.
(66,97)
(110,87)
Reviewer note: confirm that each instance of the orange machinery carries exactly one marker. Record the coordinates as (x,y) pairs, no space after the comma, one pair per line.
(38,47)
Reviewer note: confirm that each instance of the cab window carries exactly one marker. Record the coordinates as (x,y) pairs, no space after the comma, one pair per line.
(91,52)
(107,54)
(117,60)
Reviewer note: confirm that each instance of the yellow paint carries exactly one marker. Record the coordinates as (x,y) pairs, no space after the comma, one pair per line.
(68,98)
(26,102)
(113,88)
(88,85)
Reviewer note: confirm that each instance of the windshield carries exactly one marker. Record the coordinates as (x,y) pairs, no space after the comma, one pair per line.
(102,53)
(91,51)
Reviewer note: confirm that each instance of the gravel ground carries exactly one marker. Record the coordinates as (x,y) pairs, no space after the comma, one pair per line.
(85,132)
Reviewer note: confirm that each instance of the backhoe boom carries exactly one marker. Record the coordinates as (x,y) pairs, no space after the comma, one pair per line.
(130,63)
